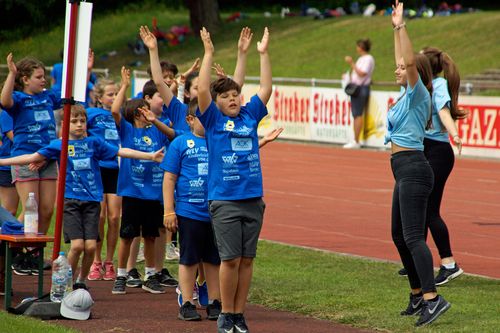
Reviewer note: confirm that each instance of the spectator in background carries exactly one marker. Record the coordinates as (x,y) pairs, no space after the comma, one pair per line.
(361,75)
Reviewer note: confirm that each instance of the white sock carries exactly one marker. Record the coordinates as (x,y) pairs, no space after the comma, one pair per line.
(450,266)
(121,272)
(149,271)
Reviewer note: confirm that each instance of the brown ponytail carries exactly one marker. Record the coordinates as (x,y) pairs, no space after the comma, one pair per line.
(442,62)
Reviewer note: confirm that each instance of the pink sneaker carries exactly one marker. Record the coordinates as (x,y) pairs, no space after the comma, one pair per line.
(96,271)
(109,271)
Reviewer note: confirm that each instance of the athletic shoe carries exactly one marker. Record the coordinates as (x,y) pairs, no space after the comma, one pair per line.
(202,294)
(445,275)
(21,264)
(179,296)
(166,279)
(140,254)
(188,312)
(214,310)
(152,285)
(32,263)
(119,287)
(96,271)
(134,278)
(403,272)
(414,306)
(432,310)
(352,145)
(240,325)
(109,271)
(225,323)
(170,253)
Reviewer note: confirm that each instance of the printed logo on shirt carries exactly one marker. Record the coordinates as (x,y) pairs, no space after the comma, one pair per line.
(42,115)
(34,128)
(241,144)
(138,169)
(229,126)
(82,164)
(71,150)
(230,159)
(252,157)
(243,131)
(202,169)
(110,134)
(197,182)
(147,140)
(190,143)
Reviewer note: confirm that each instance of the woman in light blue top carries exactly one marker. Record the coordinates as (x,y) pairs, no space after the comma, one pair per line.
(407,120)
(438,151)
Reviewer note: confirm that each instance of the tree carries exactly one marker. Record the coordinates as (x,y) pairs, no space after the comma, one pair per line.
(204,13)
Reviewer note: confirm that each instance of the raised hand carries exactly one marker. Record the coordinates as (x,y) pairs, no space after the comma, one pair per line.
(219,71)
(264,42)
(207,42)
(147,114)
(397,13)
(11,64)
(158,155)
(245,39)
(148,38)
(125,75)
(271,136)
(194,67)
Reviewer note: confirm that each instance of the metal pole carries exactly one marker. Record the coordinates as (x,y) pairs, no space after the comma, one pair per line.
(67,101)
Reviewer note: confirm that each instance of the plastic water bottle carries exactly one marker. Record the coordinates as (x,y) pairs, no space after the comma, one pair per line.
(60,268)
(31,215)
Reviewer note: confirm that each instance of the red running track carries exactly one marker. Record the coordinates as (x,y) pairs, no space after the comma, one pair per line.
(340,200)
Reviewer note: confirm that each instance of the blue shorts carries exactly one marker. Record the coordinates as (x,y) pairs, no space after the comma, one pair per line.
(197,243)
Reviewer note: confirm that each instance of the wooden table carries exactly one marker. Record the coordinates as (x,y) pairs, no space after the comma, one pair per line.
(20,241)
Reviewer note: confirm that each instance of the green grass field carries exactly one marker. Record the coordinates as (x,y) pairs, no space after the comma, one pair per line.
(361,293)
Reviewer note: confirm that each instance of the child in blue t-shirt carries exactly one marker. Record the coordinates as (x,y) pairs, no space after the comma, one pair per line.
(235,177)
(83,191)
(100,123)
(8,193)
(140,184)
(32,107)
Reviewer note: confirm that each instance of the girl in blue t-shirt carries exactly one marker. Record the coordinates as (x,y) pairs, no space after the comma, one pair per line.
(100,123)
(439,153)
(32,107)
(8,193)
(414,178)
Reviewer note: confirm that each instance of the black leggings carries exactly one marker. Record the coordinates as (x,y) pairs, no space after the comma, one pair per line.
(414,181)
(441,158)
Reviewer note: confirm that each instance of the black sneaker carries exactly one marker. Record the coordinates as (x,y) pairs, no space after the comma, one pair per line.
(403,272)
(166,279)
(445,275)
(21,264)
(134,278)
(188,312)
(152,284)
(432,310)
(240,325)
(32,262)
(414,306)
(119,287)
(225,323)
(213,310)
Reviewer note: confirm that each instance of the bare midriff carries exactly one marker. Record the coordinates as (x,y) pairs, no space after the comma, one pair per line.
(396,149)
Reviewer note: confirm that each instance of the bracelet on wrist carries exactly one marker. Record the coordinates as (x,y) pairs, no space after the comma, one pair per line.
(399,26)
(168,214)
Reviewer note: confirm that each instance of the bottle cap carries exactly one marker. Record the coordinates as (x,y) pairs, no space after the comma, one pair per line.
(61,253)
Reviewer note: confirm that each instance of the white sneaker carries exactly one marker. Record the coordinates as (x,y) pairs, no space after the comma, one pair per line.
(352,145)
(170,253)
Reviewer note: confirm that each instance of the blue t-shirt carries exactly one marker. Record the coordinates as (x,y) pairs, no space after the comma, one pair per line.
(140,179)
(406,120)
(6,144)
(187,157)
(83,175)
(57,74)
(101,124)
(33,119)
(177,112)
(440,99)
(233,149)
